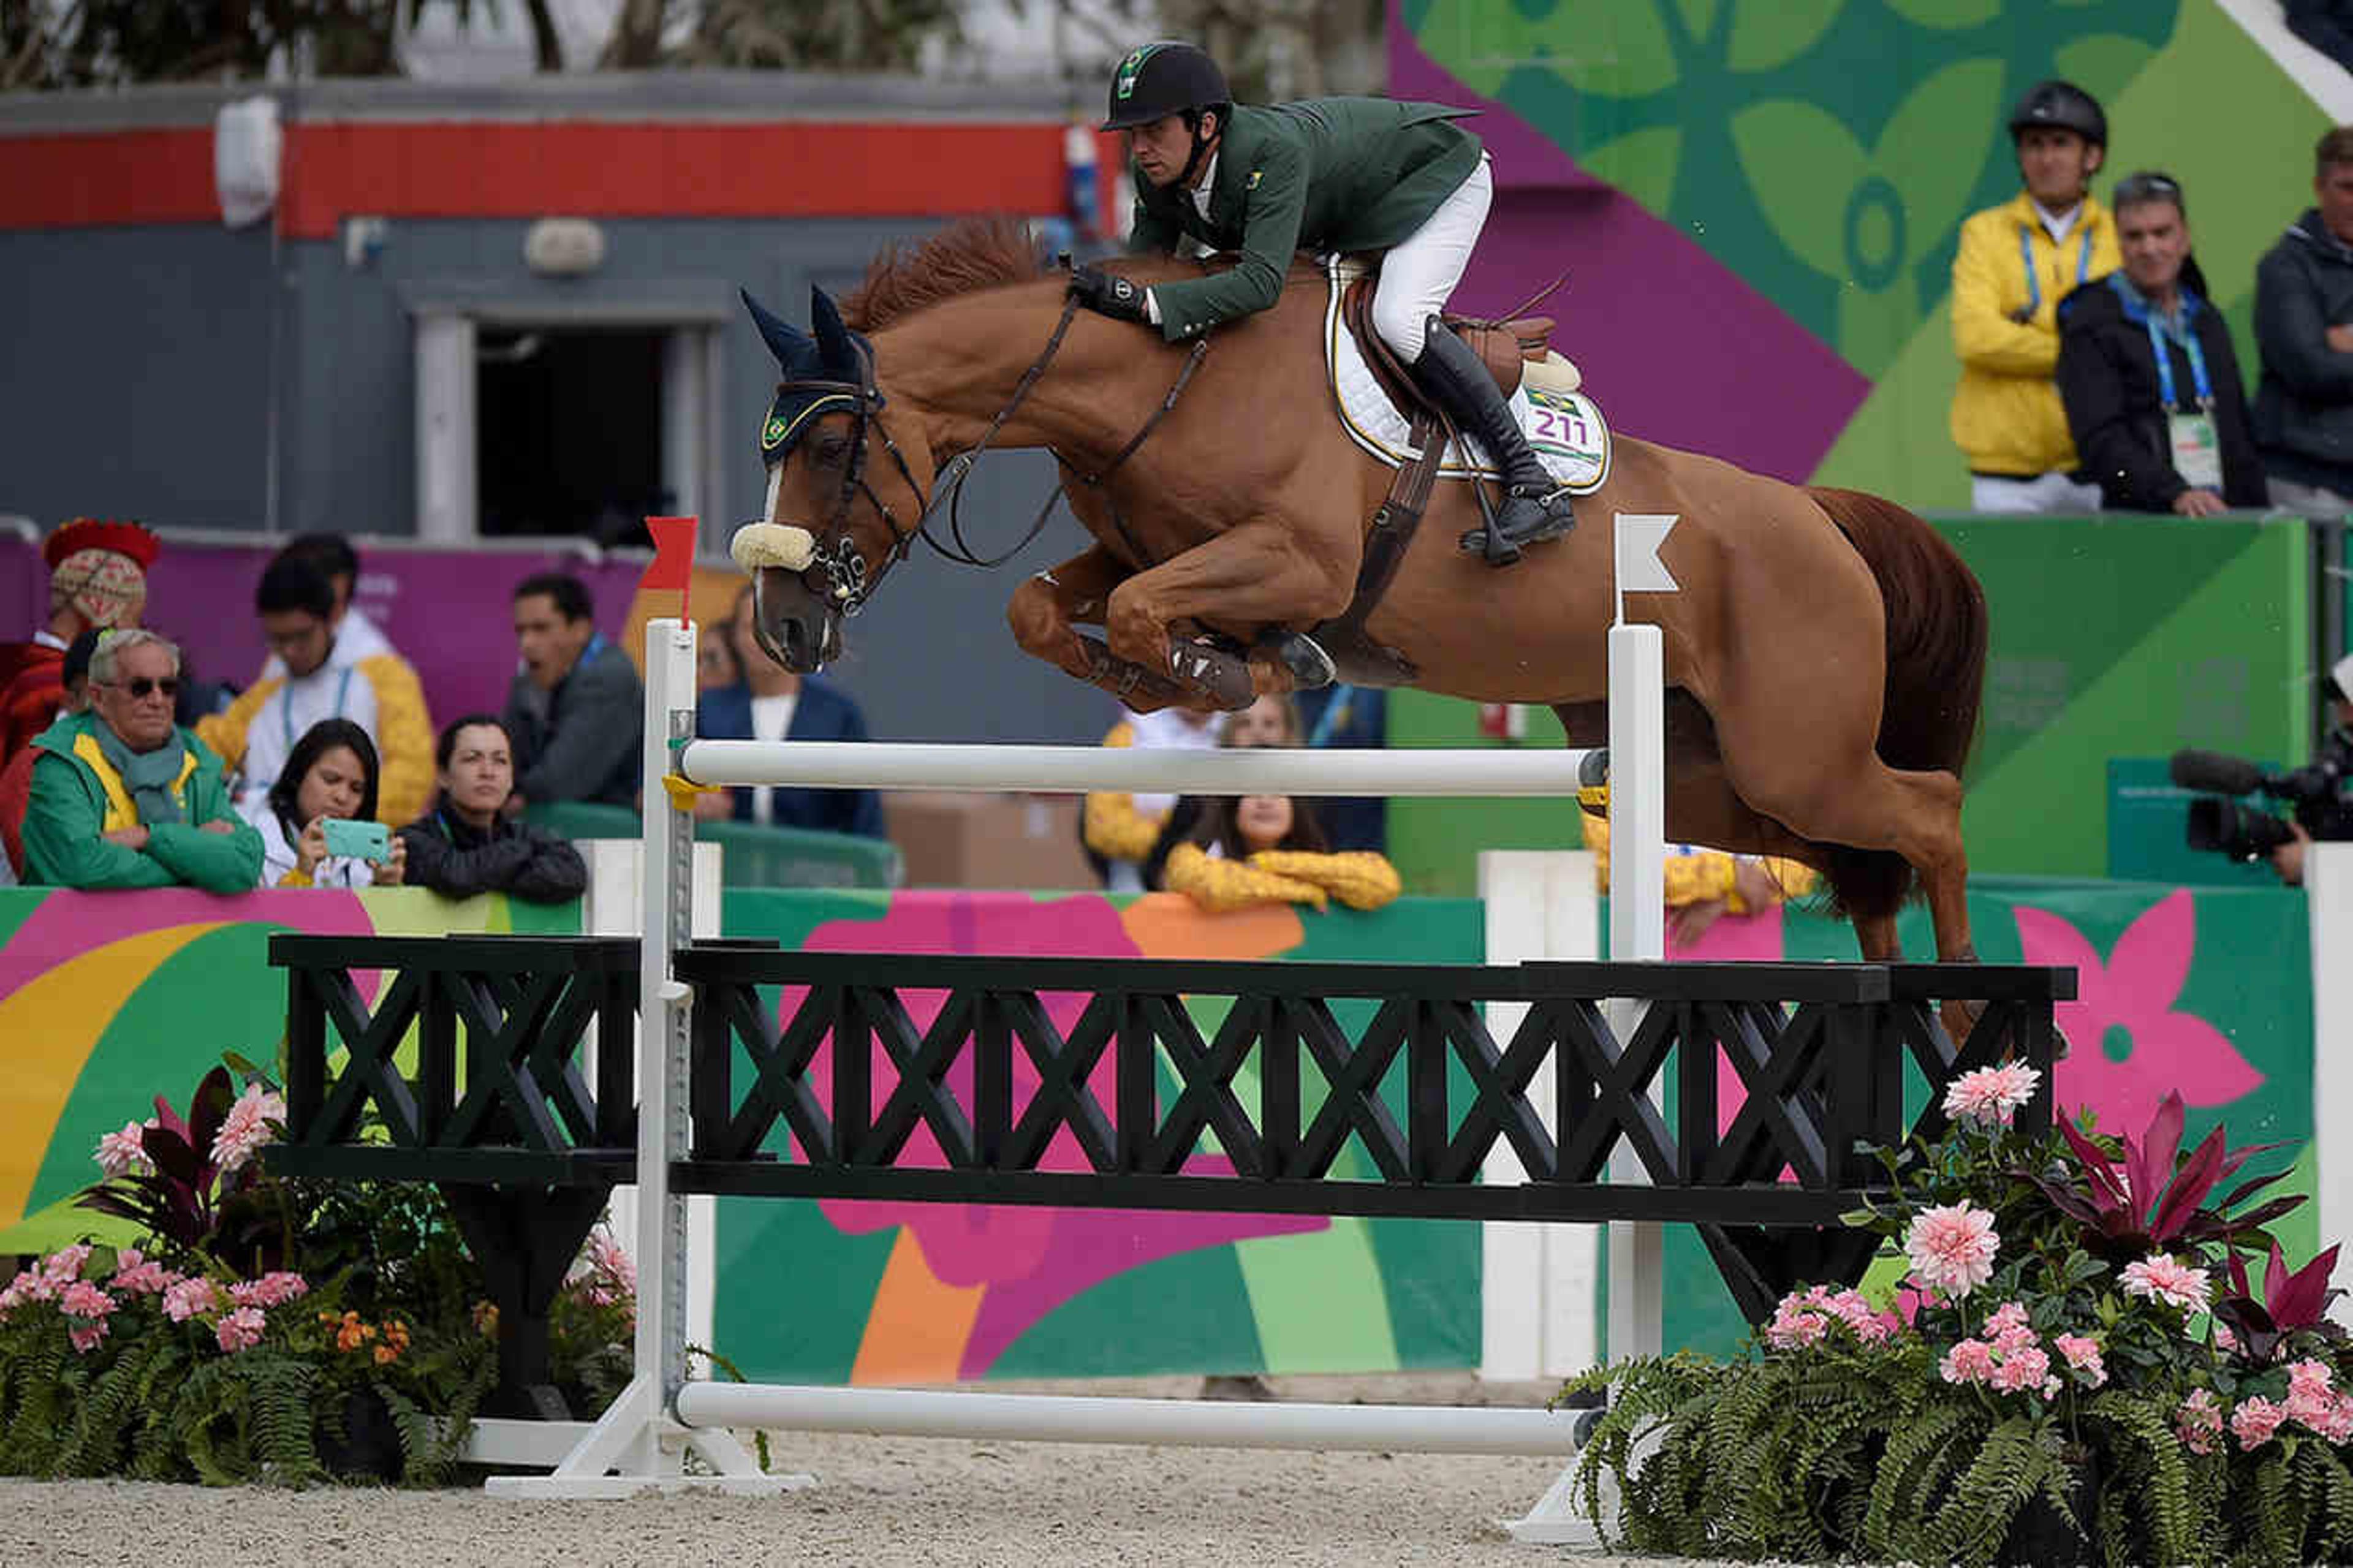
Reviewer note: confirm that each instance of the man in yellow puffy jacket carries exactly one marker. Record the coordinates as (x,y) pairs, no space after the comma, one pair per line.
(324,678)
(2016,262)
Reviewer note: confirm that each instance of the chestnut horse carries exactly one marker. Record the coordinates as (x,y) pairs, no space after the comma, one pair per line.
(1825,656)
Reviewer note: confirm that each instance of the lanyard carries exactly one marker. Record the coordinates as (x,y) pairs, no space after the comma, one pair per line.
(2200,383)
(2026,254)
(286,708)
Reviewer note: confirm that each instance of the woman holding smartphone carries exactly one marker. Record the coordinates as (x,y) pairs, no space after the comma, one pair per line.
(317,822)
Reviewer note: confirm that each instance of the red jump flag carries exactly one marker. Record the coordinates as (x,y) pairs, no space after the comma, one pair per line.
(672,570)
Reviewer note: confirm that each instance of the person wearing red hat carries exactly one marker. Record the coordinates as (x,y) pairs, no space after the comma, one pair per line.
(97,581)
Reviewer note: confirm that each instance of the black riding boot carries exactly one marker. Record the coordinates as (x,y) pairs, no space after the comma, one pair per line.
(1535,507)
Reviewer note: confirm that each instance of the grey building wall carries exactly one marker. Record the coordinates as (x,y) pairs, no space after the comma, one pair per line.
(137,381)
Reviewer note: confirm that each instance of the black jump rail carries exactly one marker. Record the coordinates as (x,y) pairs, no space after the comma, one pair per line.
(512,1128)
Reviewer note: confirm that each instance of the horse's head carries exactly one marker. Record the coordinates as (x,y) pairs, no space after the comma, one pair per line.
(826,535)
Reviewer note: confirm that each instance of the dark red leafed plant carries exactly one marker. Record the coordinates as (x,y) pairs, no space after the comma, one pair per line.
(199,1192)
(2153,1197)
(2292,1304)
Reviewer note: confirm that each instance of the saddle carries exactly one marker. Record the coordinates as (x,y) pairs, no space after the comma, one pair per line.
(1505,348)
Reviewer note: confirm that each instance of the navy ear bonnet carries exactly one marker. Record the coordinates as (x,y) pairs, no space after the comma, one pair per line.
(822,374)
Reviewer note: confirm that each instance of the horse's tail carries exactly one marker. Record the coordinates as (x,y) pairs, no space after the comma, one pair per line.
(1936,670)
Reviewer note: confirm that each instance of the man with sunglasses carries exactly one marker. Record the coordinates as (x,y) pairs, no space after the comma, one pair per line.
(123,797)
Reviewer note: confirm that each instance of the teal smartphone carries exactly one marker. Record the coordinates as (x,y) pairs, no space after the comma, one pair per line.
(360,840)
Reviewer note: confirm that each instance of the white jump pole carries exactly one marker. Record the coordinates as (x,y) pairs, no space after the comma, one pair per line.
(1097,1419)
(1075,770)
(1638,931)
(640,1441)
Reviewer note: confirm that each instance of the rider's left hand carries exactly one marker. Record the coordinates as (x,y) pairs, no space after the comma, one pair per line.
(1109,294)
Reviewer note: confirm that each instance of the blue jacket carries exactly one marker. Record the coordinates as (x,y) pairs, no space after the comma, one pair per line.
(824,713)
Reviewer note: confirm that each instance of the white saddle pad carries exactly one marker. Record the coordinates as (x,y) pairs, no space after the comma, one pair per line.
(1565,426)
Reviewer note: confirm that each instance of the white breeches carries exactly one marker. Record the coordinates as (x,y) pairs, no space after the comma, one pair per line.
(1421,271)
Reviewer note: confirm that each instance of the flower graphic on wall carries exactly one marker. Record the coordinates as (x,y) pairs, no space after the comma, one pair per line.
(2128,1042)
(1867,217)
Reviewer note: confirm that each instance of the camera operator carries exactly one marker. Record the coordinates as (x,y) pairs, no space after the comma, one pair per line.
(2320,795)
(2337,754)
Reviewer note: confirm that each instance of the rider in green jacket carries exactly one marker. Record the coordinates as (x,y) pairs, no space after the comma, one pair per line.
(1349,174)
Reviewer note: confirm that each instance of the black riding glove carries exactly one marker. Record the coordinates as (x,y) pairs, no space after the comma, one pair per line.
(1109,294)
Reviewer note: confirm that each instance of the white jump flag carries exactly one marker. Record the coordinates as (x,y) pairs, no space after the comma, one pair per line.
(1639,570)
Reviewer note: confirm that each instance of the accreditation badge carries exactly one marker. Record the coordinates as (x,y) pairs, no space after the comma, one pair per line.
(2197,452)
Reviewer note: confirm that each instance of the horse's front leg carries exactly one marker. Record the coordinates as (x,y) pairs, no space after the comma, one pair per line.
(1267,572)
(1045,610)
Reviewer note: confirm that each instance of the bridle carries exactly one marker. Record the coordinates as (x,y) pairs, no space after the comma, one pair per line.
(843,570)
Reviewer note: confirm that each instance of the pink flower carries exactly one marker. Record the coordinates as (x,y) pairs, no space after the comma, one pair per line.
(2163,1279)
(2133,995)
(2006,1319)
(140,1276)
(190,1297)
(85,1336)
(2309,1398)
(2082,1354)
(1991,1095)
(26,1287)
(2198,1421)
(2335,1422)
(248,1126)
(125,1153)
(64,1265)
(278,1286)
(1792,1330)
(2225,1341)
(241,1329)
(83,1300)
(2020,1370)
(2255,1420)
(1972,1361)
(1952,1247)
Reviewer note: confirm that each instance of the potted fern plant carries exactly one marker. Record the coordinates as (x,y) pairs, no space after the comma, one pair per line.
(2062,1376)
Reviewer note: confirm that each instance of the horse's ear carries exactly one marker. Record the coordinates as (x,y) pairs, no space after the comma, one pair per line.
(833,344)
(791,346)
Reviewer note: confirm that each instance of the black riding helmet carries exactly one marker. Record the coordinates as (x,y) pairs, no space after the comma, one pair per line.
(1164,79)
(2062,106)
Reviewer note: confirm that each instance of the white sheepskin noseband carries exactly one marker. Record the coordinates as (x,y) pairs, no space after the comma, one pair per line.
(758,544)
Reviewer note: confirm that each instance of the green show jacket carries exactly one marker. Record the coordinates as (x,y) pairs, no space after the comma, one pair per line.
(1323,175)
(78,798)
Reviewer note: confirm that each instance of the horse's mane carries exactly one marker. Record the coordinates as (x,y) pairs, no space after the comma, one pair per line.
(971,253)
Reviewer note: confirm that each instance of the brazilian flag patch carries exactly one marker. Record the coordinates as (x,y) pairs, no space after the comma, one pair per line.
(1124,84)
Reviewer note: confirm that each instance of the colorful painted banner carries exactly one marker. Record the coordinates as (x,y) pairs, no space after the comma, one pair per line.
(867,1293)
(109,999)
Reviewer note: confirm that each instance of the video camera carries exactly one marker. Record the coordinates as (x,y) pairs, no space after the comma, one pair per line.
(2316,796)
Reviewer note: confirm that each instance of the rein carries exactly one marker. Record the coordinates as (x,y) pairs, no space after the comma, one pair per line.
(846,570)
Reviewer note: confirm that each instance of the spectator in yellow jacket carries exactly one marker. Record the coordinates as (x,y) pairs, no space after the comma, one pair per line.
(1118,828)
(1233,854)
(323,680)
(1705,885)
(2016,262)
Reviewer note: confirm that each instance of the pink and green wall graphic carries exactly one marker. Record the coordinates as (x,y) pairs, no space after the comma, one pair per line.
(109,999)
(866,1292)
(2113,642)
(106,1000)
(2202,991)
(1758,200)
